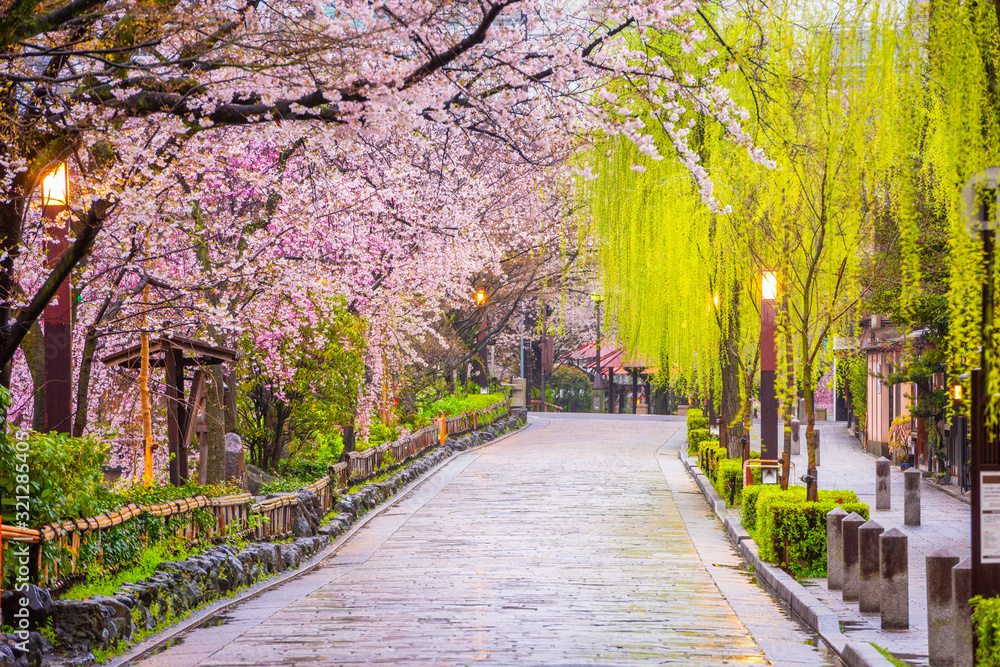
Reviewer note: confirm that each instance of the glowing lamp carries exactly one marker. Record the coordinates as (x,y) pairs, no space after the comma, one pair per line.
(480,297)
(54,186)
(956,392)
(769,285)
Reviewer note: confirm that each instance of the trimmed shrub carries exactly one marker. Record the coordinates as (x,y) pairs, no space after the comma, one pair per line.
(722,471)
(697,423)
(709,454)
(729,474)
(693,413)
(730,481)
(752,496)
(986,626)
(696,437)
(792,532)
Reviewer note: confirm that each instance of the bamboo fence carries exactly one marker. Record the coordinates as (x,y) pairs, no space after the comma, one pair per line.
(234,515)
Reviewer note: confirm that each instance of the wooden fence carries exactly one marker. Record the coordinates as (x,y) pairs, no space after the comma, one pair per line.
(234,515)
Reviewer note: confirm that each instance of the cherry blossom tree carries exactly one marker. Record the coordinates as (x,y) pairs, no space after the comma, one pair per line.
(137,95)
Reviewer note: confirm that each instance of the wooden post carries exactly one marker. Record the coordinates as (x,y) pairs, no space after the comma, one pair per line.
(147,418)
(58,333)
(635,390)
(173,365)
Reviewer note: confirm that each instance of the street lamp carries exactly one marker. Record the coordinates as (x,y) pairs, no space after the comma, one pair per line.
(980,200)
(768,285)
(598,386)
(57,334)
(768,366)
(479,370)
(55,185)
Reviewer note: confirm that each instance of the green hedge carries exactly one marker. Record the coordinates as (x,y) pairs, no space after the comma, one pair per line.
(986,626)
(696,421)
(722,471)
(790,531)
(709,454)
(752,495)
(698,436)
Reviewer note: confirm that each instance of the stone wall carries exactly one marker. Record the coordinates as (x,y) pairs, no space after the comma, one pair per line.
(105,622)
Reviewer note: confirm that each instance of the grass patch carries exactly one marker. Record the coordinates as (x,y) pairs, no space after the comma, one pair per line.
(102,582)
(889,656)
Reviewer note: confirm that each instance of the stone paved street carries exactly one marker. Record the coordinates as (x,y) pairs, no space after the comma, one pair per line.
(579,540)
(945,523)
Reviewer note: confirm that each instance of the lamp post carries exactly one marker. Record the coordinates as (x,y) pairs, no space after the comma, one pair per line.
(58,313)
(768,366)
(480,373)
(980,197)
(598,385)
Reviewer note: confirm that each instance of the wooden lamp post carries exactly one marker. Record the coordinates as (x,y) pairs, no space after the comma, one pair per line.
(57,334)
(768,366)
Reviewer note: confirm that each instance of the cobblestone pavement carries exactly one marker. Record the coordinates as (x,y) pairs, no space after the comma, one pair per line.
(579,540)
(945,523)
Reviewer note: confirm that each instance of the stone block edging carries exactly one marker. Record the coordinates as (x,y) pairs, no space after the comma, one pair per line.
(813,613)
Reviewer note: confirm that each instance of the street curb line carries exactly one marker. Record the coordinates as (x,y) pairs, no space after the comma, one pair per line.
(806,606)
(152,645)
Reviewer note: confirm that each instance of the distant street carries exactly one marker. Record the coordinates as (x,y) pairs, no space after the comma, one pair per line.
(579,540)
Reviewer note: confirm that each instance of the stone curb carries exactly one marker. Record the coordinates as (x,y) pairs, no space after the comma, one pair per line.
(155,643)
(954,493)
(813,613)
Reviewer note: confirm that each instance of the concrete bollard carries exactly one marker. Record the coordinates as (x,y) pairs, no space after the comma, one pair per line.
(835,549)
(869,590)
(796,443)
(850,525)
(940,624)
(882,479)
(961,593)
(895,580)
(911,497)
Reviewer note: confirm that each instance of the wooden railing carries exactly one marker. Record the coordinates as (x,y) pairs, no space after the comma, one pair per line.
(233,513)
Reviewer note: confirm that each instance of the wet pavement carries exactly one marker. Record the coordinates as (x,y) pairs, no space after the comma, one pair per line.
(578,540)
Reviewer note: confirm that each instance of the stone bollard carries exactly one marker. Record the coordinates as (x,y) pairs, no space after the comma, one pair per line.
(940,624)
(895,580)
(816,442)
(835,549)
(961,593)
(869,590)
(796,443)
(882,479)
(850,526)
(911,497)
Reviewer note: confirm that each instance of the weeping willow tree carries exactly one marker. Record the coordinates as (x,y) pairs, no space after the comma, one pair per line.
(947,105)
(675,279)
(816,85)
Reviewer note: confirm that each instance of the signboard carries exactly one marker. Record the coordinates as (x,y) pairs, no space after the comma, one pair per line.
(989,517)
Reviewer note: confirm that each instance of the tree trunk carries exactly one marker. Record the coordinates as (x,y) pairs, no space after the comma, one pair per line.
(33,347)
(10,241)
(230,401)
(729,409)
(215,422)
(83,382)
(350,444)
(808,393)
